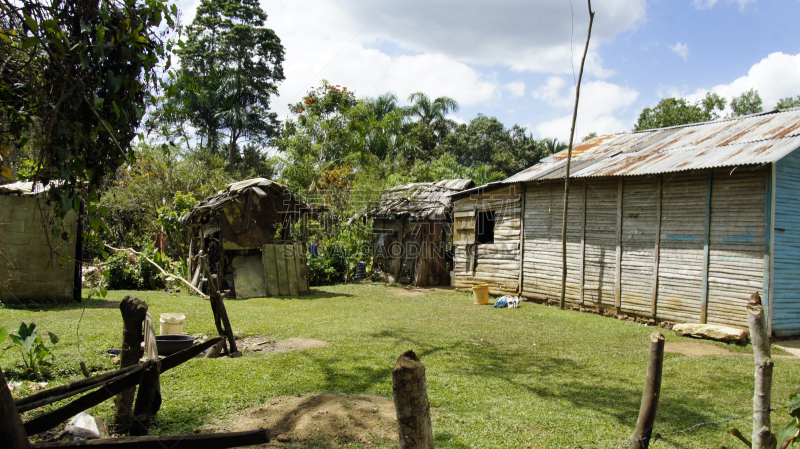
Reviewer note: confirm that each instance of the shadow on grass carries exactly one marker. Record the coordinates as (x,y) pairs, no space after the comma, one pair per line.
(54,306)
(559,379)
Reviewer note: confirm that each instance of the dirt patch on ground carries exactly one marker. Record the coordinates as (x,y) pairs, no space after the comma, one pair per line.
(691,348)
(419,291)
(331,417)
(265,344)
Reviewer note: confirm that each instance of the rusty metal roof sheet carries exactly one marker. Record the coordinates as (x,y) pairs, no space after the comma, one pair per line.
(23,188)
(755,139)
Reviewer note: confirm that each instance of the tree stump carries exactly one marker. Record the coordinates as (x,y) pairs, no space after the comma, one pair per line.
(411,402)
(133,311)
(12,433)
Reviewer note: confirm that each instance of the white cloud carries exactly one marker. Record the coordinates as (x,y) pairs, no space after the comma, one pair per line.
(455,118)
(598,103)
(515,88)
(774,77)
(708,4)
(681,50)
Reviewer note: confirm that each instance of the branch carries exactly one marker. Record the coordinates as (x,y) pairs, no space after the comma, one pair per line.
(198,291)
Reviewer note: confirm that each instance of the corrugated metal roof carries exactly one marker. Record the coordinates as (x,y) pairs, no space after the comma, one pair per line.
(755,139)
(23,188)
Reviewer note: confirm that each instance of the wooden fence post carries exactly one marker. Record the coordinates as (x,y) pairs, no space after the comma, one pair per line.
(148,399)
(133,311)
(762,433)
(652,391)
(411,402)
(12,434)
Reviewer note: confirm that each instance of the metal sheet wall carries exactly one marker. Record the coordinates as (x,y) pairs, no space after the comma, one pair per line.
(786,265)
(736,243)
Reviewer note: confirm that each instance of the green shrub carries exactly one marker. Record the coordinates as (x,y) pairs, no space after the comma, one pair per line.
(130,272)
(32,348)
(325,271)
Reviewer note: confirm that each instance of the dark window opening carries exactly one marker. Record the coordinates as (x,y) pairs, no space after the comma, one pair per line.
(484,227)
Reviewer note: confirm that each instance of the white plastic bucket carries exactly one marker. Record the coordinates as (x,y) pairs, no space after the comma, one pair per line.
(172,323)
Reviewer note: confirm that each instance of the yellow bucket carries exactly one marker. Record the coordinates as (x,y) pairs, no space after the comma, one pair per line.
(481,294)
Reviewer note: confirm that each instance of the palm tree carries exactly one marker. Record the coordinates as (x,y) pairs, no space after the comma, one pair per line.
(432,124)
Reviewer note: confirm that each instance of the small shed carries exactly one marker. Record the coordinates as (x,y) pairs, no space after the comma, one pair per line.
(679,224)
(34,267)
(412,232)
(252,235)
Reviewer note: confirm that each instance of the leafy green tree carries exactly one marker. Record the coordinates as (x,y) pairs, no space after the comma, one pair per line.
(231,65)
(677,111)
(747,103)
(589,136)
(74,81)
(431,124)
(486,141)
(788,102)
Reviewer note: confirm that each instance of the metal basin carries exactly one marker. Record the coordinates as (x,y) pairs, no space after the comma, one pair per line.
(170,344)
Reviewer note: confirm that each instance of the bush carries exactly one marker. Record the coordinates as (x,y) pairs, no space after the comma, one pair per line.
(130,272)
(325,270)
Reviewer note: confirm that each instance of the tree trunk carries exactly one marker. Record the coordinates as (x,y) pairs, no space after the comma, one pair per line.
(762,433)
(12,434)
(411,402)
(133,315)
(652,391)
(569,160)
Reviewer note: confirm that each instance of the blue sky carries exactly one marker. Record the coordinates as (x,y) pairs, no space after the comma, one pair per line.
(514,59)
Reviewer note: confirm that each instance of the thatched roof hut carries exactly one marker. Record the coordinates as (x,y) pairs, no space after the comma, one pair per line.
(412,231)
(236,227)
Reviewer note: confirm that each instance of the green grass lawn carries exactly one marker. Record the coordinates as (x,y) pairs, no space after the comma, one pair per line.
(529,377)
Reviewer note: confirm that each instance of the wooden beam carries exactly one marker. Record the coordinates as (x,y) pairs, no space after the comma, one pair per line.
(65,391)
(61,414)
(201,441)
(657,252)
(148,399)
(583,241)
(651,393)
(618,267)
(771,293)
(706,252)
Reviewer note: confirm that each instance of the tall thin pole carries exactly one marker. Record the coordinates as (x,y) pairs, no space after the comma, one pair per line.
(569,160)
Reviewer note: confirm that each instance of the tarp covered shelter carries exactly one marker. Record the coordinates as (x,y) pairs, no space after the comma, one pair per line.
(679,224)
(412,230)
(253,234)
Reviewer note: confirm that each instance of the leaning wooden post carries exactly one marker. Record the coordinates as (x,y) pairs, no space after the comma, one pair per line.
(652,390)
(561,301)
(12,433)
(762,433)
(411,402)
(133,311)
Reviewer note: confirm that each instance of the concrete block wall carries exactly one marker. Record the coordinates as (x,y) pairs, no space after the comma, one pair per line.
(25,225)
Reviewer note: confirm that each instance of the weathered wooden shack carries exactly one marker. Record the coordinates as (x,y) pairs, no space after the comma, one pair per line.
(253,238)
(412,228)
(678,224)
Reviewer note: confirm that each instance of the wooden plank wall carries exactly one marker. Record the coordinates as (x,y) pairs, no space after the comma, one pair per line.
(728,220)
(736,262)
(542,266)
(786,264)
(601,241)
(498,262)
(639,224)
(680,271)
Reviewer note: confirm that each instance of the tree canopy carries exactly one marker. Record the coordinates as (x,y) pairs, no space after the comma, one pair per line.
(230,66)
(677,111)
